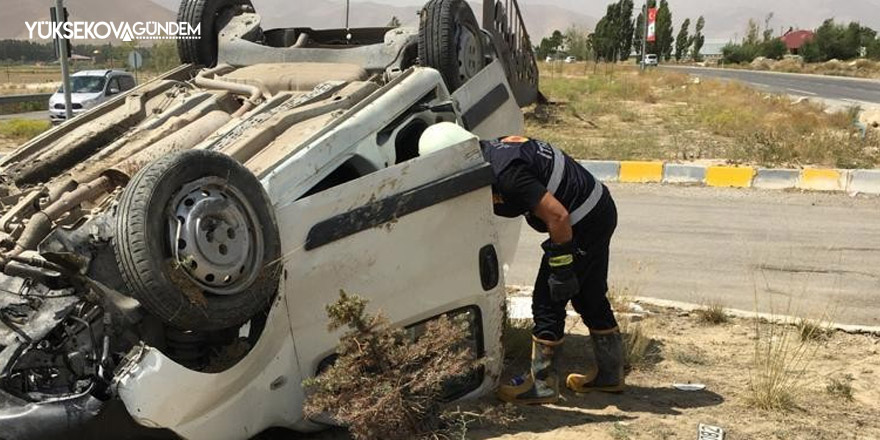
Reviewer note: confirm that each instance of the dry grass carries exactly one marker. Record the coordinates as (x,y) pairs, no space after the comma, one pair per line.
(517,339)
(813,330)
(779,367)
(622,114)
(384,384)
(712,314)
(22,129)
(862,68)
(640,349)
(690,355)
(841,387)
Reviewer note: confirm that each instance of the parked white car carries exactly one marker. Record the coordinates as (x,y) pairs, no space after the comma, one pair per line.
(651,59)
(172,250)
(570,59)
(88,88)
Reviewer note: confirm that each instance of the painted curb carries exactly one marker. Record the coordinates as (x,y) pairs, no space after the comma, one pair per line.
(683,173)
(604,170)
(864,181)
(810,179)
(641,172)
(776,179)
(815,179)
(729,177)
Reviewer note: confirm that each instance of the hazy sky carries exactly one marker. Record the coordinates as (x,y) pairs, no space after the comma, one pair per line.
(726,18)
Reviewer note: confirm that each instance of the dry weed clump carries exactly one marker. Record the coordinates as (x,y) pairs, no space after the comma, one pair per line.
(813,330)
(780,362)
(841,387)
(516,338)
(640,350)
(713,314)
(383,384)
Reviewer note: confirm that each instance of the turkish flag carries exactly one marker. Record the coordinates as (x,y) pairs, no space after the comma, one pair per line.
(652,24)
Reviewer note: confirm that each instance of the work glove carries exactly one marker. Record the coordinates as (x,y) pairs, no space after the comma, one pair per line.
(563,280)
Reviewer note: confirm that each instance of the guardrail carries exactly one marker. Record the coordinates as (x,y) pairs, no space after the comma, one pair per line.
(13,104)
(19,99)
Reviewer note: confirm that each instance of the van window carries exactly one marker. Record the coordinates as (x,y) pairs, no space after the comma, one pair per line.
(114,84)
(126,82)
(85,84)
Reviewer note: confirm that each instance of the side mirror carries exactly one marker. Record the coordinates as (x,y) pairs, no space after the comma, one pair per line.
(114,91)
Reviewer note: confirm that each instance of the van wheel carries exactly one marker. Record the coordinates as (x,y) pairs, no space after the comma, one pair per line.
(450,40)
(196,241)
(212,15)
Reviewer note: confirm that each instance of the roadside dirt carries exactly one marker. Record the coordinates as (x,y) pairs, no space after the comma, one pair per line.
(7,145)
(719,356)
(688,350)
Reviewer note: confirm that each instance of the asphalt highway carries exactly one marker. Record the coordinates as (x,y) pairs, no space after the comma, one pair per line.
(790,253)
(810,86)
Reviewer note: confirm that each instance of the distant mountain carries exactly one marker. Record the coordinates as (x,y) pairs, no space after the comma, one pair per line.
(727,19)
(541,19)
(17,12)
(724,19)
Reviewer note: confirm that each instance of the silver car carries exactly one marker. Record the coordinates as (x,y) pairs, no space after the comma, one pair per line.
(88,88)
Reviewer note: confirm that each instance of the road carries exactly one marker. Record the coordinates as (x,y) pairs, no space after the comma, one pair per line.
(802,253)
(40,115)
(811,86)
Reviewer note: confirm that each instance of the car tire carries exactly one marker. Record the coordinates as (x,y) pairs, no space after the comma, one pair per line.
(219,200)
(450,40)
(209,14)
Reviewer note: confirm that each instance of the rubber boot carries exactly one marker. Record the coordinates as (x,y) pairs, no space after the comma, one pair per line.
(541,384)
(608,375)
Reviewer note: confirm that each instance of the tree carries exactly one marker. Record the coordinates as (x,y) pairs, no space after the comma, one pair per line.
(604,38)
(394,22)
(739,53)
(550,46)
(836,41)
(625,29)
(613,37)
(699,39)
(774,49)
(683,41)
(872,49)
(578,43)
(768,31)
(753,33)
(757,42)
(664,30)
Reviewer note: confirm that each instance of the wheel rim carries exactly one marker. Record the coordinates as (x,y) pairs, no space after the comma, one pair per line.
(215,235)
(470,53)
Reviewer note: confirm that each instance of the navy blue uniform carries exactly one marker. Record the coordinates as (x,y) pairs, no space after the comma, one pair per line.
(525,170)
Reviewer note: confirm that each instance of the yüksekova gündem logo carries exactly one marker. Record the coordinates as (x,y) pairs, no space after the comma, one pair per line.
(103,30)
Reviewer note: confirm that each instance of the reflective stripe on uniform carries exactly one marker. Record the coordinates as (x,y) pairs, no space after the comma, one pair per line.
(588,205)
(561,260)
(558,171)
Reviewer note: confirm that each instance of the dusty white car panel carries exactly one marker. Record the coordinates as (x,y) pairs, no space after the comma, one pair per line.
(385,263)
(172,249)
(262,390)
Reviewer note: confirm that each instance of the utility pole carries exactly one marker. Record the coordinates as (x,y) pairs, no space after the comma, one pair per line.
(63,56)
(645,38)
(347,15)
